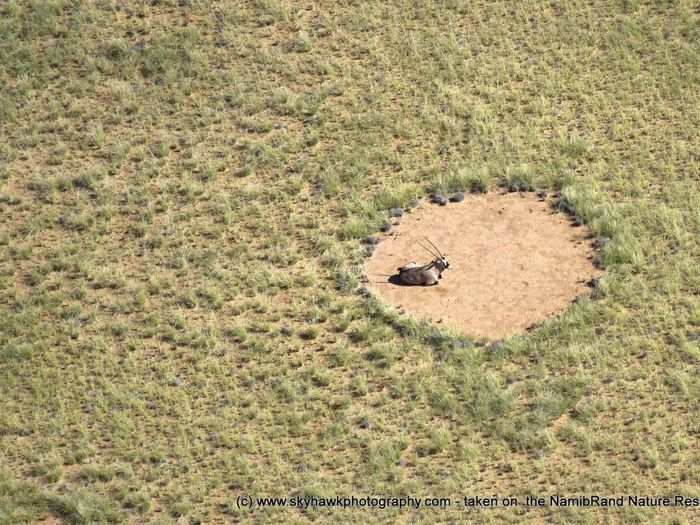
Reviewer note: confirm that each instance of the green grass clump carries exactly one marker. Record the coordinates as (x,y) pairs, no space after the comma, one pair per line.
(520,178)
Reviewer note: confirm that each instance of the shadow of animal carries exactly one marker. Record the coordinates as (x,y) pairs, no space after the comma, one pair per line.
(396,281)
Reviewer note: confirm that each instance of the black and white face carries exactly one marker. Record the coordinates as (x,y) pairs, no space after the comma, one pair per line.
(443,263)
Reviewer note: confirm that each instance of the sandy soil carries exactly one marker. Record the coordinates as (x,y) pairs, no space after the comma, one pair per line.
(513,263)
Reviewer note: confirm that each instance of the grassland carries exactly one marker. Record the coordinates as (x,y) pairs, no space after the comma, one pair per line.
(183,191)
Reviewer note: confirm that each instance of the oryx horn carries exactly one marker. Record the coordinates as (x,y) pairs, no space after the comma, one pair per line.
(432,253)
(436,248)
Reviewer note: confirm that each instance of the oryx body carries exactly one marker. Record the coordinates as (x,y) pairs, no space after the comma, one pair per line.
(426,275)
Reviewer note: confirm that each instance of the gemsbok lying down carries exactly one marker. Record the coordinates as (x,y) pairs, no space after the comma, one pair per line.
(428,274)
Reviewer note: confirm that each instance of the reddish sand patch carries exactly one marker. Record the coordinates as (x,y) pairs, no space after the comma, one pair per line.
(513,263)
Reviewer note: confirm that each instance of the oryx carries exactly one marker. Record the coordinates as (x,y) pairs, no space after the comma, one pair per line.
(428,274)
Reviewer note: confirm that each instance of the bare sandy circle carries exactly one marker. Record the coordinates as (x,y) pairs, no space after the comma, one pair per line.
(514,262)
